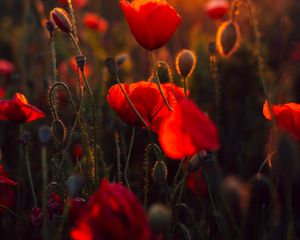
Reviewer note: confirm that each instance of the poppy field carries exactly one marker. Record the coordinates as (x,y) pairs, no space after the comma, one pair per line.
(149,119)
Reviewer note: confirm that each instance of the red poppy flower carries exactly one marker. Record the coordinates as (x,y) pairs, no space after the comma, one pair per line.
(152,22)
(55,206)
(113,212)
(76,3)
(93,21)
(6,189)
(2,92)
(76,207)
(187,130)
(146,98)
(6,67)
(217,9)
(178,92)
(287,117)
(19,110)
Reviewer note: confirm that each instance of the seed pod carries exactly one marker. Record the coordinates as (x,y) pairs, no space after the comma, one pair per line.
(74,185)
(159,217)
(159,172)
(61,19)
(81,61)
(26,136)
(59,131)
(185,62)
(228,38)
(164,72)
(44,134)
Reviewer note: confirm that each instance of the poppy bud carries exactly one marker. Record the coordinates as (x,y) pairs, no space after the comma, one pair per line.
(216,9)
(164,72)
(55,206)
(61,19)
(26,136)
(81,61)
(228,38)
(74,185)
(196,160)
(50,26)
(159,217)
(59,131)
(36,216)
(111,66)
(185,62)
(159,172)
(44,134)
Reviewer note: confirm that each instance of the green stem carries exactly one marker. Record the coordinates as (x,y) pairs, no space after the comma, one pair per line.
(29,174)
(158,81)
(128,158)
(118,150)
(45,180)
(12,212)
(77,48)
(73,19)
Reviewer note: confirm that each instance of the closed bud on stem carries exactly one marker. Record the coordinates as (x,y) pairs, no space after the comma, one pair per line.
(164,72)
(185,62)
(159,217)
(212,48)
(44,134)
(111,66)
(74,185)
(61,19)
(228,38)
(196,161)
(50,27)
(26,136)
(81,61)
(159,172)
(59,131)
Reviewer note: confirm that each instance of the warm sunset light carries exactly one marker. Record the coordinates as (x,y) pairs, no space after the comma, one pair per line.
(149,119)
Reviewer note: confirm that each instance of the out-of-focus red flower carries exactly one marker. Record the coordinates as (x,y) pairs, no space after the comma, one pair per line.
(113,212)
(178,92)
(152,22)
(36,216)
(196,183)
(78,151)
(2,92)
(6,189)
(216,9)
(6,67)
(76,205)
(19,110)
(186,131)
(55,206)
(76,3)
(146,98)
(95,22)
(287,117)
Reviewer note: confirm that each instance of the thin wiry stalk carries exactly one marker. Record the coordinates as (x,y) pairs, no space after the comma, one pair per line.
(128,158)
(45,180)
(158,81)
(29,174)
(73,19)
(118,149)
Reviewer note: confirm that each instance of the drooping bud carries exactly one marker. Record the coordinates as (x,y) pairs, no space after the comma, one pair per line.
(74,185)
(228,38)
(159,217)
(59,131)
(50,26)
(61,19)
(26,136)
(81,61)
(164,72)
(159,172)
(111,66)
(44,134)
(185,62)
(196,161)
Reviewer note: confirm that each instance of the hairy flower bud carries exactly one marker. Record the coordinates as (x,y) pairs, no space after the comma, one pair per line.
(159,217)
(159,172)
(61,19)
(185,62)
(228,38)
